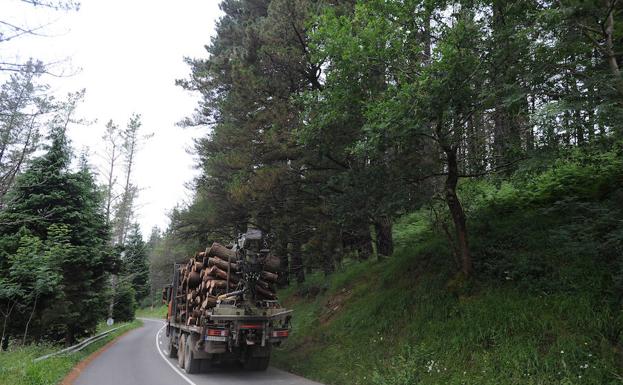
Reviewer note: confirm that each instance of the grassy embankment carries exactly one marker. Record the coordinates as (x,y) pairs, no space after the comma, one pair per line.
(17,366)
(158,312)
(544,306)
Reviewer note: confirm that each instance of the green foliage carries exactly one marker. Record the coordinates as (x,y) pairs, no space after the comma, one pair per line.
(544,307)
(164,250)
(336,117)
(125,302)
(135,266)
(24,106)
(17,366)
(32,278)
(54,237)
(158,312)
(560,225)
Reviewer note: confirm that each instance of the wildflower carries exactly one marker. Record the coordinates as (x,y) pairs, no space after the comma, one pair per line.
(430,365)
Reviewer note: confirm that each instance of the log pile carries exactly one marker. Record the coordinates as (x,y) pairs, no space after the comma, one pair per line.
(220,274)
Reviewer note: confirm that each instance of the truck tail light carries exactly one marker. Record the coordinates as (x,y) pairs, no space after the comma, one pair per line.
(280,333)
(218,332)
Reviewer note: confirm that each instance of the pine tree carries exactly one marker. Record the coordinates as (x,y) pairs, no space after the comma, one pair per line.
(64,209)
(23,106)
(135,264)
(259,62)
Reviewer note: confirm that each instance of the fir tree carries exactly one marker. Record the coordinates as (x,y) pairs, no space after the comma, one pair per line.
(63,209)
(135,264)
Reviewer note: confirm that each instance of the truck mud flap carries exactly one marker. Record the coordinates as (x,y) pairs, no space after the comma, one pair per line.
(258,351)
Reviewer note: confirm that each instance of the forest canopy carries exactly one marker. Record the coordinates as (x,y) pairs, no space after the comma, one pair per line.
(331,119)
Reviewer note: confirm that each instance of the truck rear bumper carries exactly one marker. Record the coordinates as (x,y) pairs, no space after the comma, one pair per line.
(259,318)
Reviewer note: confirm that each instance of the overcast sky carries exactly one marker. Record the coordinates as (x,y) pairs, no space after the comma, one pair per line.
(127,54)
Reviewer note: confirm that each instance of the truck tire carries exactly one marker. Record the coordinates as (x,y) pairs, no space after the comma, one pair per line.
(172,347)
(256,364)
(191,364)
(180,352)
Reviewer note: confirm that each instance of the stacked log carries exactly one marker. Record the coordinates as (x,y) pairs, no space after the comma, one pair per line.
(211,275)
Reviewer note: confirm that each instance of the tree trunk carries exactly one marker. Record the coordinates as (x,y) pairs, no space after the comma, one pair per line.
(328,265)
(363,240)
(529,129)
(296,262)
(6,320)
(456,211)
(34,306)
(506,130)
(339,247)
(610,51)
(384,237)
(14,113)
(113,289)
(281,250)
(328,249)
(8,182)
(109,193)
(69,336)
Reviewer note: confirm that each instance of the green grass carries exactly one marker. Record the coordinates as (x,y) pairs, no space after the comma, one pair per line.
(17,366)
(157,312)
(543,308)
(410,329)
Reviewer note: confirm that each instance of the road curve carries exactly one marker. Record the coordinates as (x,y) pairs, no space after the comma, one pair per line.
(139,357)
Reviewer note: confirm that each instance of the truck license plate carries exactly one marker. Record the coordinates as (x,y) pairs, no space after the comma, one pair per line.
(216,338)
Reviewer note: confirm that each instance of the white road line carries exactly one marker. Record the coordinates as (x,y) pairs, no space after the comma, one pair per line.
(167,361)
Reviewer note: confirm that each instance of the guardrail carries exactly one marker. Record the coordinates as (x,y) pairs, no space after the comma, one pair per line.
(79,346)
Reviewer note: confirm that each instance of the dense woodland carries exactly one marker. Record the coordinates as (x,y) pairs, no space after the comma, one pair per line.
(331,119)
(448,175)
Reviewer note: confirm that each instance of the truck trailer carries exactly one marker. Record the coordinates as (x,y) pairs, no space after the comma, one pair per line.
(222,307)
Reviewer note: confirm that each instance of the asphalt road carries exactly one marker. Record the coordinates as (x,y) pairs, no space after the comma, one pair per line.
(139,358)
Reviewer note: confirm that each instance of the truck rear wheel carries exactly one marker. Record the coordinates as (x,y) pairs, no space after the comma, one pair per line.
(191,364)
(172,347)
(257,363)
(181,349)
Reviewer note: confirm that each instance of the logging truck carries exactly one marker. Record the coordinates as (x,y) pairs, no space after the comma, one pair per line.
(222,307)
